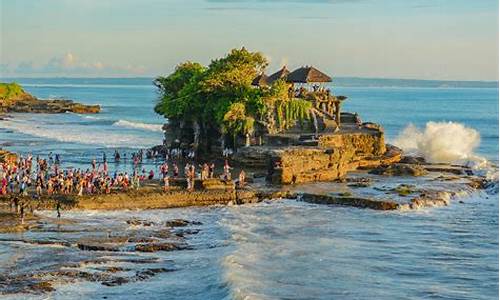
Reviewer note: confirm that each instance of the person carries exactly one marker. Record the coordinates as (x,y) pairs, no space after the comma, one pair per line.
(136,181)
(151,175)
(211,170)
(357,120)
(187,175)
(166,183)
(58,208)
(22,212)
(241,179)
(227,171)
(176,170)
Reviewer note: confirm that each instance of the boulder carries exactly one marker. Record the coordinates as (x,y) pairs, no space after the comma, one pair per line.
(400,169)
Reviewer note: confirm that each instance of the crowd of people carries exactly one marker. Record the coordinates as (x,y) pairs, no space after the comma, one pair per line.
(44,176)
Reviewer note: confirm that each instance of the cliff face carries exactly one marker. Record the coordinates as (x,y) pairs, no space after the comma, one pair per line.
(332,157)
(363,143)
(301,164)
(14,99)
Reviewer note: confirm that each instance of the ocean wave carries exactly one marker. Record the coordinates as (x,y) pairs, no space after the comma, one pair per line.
(104,86)
(139,125)
(440,142)
(80,134)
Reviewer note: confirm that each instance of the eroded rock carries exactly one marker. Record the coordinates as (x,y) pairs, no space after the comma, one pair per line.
(400,169)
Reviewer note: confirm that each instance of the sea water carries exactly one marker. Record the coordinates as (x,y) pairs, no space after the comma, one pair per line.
(281,249)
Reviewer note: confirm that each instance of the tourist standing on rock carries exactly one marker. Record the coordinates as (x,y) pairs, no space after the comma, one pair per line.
(22,212)
(227,170)
(357,120)
(186,174)
(58,208)
(241,179)
(135,181)
(166,183)
(211,170)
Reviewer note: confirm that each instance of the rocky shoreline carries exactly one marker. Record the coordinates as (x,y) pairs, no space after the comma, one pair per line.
(13,99)
(113,256)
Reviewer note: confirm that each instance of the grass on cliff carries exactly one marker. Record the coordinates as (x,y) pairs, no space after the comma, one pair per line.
(10,91)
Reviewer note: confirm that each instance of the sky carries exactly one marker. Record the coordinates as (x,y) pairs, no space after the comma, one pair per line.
(420,39)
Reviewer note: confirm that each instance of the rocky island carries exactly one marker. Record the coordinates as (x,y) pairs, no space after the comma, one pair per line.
(13,99)
(286,131)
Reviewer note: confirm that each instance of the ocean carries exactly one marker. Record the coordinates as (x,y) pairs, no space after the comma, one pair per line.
(285,249)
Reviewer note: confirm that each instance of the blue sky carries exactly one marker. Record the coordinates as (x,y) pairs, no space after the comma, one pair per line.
(425,39)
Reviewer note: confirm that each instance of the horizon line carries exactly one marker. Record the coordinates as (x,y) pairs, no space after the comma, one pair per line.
(152,77)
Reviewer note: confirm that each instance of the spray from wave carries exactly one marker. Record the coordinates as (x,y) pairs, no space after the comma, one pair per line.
(138,125)
(440,142)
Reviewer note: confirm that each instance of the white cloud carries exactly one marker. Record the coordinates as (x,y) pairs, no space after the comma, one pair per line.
(70,64)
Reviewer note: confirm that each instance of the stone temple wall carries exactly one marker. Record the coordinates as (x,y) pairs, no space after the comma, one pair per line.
(371,143)
(334,156)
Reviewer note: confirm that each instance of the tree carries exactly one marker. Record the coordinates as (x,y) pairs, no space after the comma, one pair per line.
(178,91)
(220,98)
(237,122)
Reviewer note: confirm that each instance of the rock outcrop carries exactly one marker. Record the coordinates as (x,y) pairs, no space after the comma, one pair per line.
(400,169)
(331,159)
(13,99)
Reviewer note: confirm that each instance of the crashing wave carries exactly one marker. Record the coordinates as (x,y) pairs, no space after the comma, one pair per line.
(139,125)
(440,142)
(80,134)
(448,142)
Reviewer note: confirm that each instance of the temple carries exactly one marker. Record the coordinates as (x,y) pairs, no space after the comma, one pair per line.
(288,123)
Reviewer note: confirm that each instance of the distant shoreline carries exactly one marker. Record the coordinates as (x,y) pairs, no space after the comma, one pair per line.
(338,81)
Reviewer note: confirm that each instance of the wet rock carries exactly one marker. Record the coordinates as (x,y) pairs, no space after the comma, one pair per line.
(138,222)
(101,244)
(42,287)
(115,281)
(414,160)
(405,189)
(148,273)
(165,246)
(351,201)
(184,232)
(446,178)
(430,199)
(400,169)
(445,168)
(359,182)
(478,183)
(181,223)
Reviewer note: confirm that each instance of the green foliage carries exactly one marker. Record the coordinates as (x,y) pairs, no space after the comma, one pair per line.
(221,96)
(10,90)
(236,120)
(292,110)
(178,91)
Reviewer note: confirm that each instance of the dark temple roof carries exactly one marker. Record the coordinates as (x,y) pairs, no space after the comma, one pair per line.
(308,74)
(261,80)
(281,74)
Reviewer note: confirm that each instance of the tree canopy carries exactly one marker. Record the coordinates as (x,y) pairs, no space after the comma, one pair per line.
(221,96)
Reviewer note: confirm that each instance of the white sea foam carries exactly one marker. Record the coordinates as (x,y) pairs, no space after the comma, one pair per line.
(139,125)
(447,142)
(80,134)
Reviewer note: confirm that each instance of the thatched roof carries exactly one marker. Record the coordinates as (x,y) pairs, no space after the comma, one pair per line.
(261,80)
(281,74)
(308,74)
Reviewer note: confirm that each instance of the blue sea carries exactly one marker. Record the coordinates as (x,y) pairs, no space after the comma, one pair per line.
(284,249)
